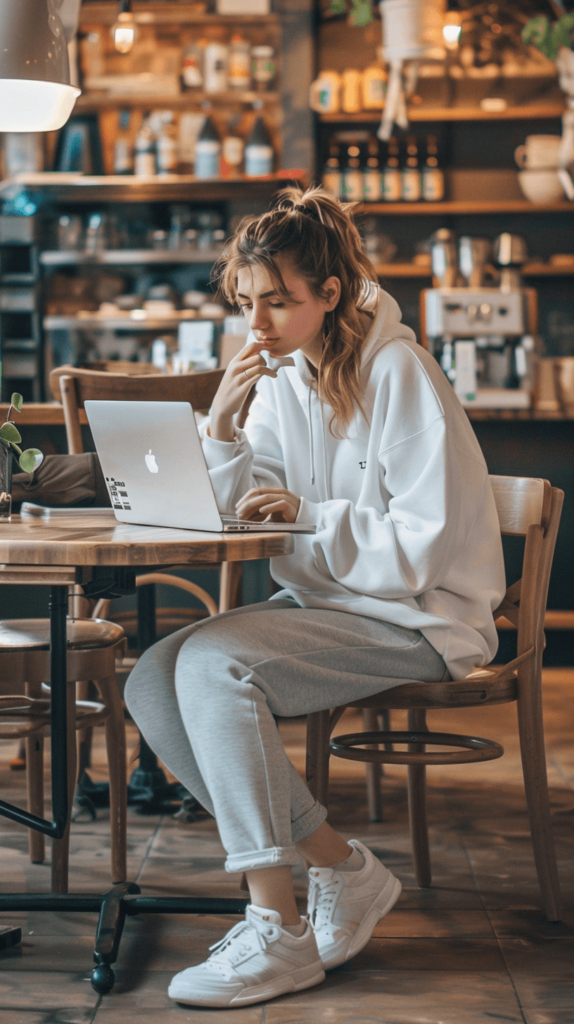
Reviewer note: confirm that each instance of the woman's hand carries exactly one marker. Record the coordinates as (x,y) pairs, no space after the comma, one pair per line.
(243,372)
(274,503)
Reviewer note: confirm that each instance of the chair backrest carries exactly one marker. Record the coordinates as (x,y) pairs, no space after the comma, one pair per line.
(528,507)
(73,386)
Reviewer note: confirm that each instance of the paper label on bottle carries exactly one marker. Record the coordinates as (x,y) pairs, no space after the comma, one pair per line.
(392,189)
(353,185)
(432,184)
(372,186)
(412,189)
(258,161)
(332,183)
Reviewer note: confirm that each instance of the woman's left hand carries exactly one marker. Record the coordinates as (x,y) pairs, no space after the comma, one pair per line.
(274,503)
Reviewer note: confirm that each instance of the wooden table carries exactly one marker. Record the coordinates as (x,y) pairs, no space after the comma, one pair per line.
(104,556)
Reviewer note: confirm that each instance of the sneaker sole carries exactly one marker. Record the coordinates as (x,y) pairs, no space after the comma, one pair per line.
(304,978)
(384,903)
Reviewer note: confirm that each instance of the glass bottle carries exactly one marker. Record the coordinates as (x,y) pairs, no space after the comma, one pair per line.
(432,173)
(391,175)
(192,66)
(332,180)
(263,66)
(352,174)
(411,172)
(239,63)
(123,149)
(215,67)
(208,151)
(372,176)
(145,150)
(258,151)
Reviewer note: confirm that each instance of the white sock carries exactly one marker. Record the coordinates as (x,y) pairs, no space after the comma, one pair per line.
(354,862)
(295,929)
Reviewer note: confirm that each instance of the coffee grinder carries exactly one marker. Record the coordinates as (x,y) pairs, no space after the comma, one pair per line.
(481,335)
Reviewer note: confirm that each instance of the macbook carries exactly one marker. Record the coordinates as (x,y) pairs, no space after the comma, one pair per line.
(155,469)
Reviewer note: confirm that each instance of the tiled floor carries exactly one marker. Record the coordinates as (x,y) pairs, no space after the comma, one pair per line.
(473,948)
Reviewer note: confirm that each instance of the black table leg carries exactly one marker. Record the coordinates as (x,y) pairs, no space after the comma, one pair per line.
(148,786)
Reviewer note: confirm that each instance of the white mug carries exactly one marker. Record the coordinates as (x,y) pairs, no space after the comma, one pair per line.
(538,152)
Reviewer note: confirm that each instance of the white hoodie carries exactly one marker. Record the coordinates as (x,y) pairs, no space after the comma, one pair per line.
(407,529)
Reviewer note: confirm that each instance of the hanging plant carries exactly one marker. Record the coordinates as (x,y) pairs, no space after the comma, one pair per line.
(549,38)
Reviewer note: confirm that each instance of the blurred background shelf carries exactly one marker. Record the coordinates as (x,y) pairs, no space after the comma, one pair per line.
(127,257)
(476,207)
(537,111)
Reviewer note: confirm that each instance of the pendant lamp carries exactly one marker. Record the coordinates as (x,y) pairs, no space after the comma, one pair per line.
(35,90)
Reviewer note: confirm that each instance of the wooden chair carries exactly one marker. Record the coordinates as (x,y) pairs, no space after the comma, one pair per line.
(73,386)
(93,647)
(528,508)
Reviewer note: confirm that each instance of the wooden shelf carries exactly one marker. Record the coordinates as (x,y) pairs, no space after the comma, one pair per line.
(413,270)
(538,111)
(119,322)
(465,206)
(402,270)
(146,12)
(93,101)
(127,257)
(78,188)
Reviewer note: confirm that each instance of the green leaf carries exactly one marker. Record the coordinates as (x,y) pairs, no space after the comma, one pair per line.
(16,401)
(30,460)
(338,7)
(8,432)
(561,32)
(539,33)
(361,13)
(15,448)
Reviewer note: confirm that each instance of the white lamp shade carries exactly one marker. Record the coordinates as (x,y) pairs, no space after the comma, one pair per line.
(30,106)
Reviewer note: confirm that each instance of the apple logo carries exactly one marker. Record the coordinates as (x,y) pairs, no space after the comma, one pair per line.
(151,463)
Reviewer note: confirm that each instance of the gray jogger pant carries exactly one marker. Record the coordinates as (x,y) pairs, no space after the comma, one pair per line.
(205,697)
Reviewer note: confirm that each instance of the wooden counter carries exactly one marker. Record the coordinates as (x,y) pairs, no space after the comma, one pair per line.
(51,414)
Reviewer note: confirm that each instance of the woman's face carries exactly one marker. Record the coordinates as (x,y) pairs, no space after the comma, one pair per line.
(285,325)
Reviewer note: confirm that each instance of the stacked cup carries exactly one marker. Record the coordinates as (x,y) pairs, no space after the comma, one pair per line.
(538,160)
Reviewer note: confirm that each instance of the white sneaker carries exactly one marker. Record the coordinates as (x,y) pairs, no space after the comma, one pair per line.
(256,960)
(345,906)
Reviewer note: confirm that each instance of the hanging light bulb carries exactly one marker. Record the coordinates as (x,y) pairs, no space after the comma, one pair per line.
(124,31)
(452,29)
(35,90)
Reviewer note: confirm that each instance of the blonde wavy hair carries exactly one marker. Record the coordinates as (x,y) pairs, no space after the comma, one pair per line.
(315,235)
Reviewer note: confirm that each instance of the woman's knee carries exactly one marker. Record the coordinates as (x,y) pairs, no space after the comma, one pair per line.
(154,672)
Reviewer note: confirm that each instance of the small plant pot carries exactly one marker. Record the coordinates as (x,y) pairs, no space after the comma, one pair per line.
(5,481)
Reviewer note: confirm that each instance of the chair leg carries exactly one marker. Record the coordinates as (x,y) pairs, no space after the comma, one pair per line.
(35,792)
(85,691)
(61,847)
(373,770)
(531,733)
(418,806)
(116,751)
(317,757)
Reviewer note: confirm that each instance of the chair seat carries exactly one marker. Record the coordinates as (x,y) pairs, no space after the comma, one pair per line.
(477,689)
(34,634)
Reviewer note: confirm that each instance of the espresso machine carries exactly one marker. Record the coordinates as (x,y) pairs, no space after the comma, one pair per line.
(481,335)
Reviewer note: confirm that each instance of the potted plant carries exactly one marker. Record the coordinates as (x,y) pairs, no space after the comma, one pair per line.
(28,460)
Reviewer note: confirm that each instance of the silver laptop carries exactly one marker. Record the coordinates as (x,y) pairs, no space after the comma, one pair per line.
(155,470)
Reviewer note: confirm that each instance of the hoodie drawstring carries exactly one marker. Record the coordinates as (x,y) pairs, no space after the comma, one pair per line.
(311,444)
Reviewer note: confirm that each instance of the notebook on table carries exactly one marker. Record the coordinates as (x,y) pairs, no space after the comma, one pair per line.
(155,469)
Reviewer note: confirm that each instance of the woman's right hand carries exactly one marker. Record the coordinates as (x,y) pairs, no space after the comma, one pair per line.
(243,372)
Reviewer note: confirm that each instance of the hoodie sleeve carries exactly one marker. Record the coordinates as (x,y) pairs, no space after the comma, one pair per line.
(407,549)
(233,466)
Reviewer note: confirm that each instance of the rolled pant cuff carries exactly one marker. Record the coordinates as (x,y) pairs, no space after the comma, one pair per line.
(308,822)
(275,856)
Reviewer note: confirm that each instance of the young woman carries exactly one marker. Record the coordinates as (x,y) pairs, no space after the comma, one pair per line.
(357,431)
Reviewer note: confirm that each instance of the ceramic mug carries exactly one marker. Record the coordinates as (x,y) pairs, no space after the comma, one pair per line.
(538,152)
(541,186)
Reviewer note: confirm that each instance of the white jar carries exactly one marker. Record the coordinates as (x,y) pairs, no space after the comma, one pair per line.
(215,67)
